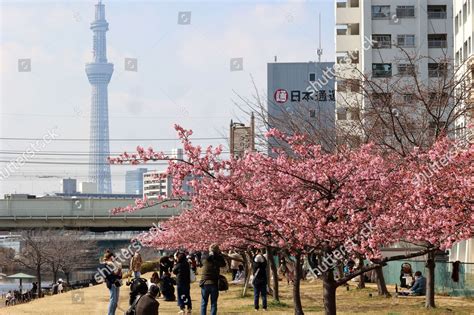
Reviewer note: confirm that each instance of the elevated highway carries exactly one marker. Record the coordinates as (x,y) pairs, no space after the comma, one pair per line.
(78,213)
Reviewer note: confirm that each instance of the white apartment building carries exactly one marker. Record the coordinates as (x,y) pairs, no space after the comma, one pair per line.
(463,37)
(371,33)
(157,184)
(464,58)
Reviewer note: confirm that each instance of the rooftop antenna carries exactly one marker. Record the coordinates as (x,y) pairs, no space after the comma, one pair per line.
(319,51)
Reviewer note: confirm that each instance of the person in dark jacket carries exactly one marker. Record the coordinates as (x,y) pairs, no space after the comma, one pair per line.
(183,282)
(167,287)
(210,278)
(147,304)
(166,264)
(259,283)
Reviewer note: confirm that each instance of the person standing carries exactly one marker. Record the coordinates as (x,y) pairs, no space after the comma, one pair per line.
(235,263)
(147,304)
(136,265)
(113,270)
(259,283)
(210,278)
(182,271)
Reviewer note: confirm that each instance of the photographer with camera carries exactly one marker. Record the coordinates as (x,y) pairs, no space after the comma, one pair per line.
(113,276)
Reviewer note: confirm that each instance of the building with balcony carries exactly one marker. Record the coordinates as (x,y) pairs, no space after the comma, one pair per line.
(464,62)
(379,33)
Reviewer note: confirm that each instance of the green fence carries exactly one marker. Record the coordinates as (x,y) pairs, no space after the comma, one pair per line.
(443,272)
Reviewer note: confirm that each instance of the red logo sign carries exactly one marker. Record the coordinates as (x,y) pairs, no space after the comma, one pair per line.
(280,96)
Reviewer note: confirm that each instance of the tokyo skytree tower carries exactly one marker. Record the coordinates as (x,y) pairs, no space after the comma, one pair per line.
(99,72)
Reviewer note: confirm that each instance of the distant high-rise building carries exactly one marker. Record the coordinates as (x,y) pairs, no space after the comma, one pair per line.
(134,181)
(87,188)
(99,72)
(69,185)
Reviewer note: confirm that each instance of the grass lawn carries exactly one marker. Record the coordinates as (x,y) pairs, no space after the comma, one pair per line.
(95,301)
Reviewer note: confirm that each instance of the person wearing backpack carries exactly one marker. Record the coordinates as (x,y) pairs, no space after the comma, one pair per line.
(147,304)
(210,278)
(182,271)
(259,282)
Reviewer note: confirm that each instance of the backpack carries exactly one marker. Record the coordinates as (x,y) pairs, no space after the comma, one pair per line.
(133,308)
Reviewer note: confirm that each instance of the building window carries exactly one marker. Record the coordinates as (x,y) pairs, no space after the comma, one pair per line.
(408,98)
(465,51)
(381,70)
(353,113)
(457,59)
(352,85)
(380,12)
(341,113)
(354,55)
(456,24)
(312,77)
(406,40)
(341,4)
(381,98)
(406,69)
(464,11)
(438,12)
(437,40)
(436,70)
(405,11)
(312,113)
(381,41)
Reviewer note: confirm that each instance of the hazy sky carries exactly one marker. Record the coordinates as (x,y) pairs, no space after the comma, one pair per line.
(183,74)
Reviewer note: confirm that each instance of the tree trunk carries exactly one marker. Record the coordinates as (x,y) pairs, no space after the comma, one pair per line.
(296,286)
(276,291)
(430,281)
(248,270)
(329,292)
(361,284)
(67,274)
(269,257)
(381,286)
(38,277)
(55,273)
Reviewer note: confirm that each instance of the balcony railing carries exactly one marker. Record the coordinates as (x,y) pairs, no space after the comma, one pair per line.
(380,15)
(437,43)
(437,15)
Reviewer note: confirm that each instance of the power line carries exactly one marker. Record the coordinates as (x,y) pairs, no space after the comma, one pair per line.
(122,140)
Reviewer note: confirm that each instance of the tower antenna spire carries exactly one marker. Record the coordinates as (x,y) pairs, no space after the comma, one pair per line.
(319,51)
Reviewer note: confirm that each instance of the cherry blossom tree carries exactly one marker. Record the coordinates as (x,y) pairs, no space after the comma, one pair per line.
(305,200)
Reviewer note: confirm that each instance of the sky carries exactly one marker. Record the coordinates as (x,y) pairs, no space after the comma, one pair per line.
(183,75)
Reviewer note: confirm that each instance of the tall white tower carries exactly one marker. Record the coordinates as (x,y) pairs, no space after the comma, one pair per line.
(99,72)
